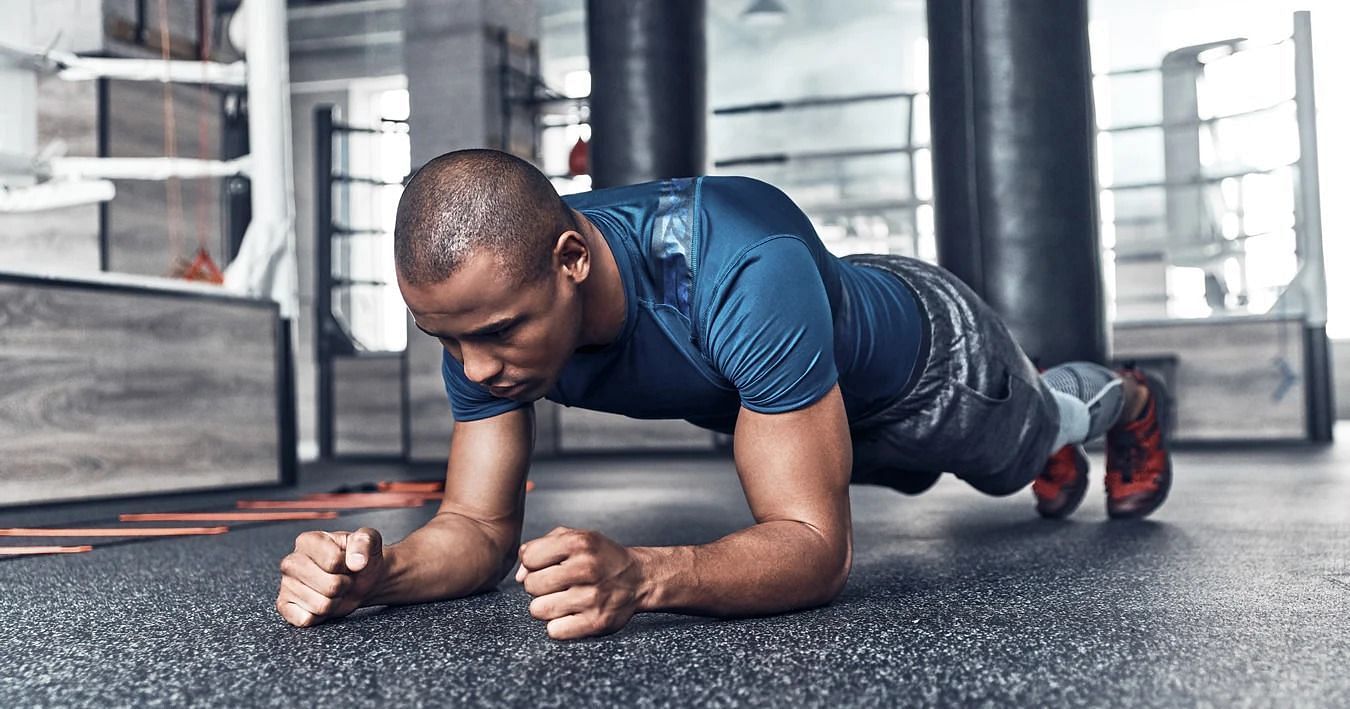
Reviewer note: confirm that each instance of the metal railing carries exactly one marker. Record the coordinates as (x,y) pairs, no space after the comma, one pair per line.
(333,337)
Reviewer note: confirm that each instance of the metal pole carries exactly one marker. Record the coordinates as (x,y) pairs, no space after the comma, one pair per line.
(104,118)
(323,275)
(1312,276)
(1309,195)
(504,93)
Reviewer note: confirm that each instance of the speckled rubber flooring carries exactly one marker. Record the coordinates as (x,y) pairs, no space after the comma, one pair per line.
(1237,593)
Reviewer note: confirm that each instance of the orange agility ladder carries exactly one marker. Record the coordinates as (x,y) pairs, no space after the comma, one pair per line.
(411,486)
(109,531)
(17,551)
(224,516)
(326,504)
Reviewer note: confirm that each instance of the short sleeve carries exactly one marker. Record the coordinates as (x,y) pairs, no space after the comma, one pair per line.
(469,401)
(770,329)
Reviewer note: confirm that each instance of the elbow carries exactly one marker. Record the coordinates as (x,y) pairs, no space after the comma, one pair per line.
(834,572)
(495,576)
(838,578)
(505,554)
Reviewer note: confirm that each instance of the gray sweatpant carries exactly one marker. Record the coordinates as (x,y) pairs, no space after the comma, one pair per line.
(979,409)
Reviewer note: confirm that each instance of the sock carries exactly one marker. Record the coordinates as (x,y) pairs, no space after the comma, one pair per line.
(1074,420)
(1095,388)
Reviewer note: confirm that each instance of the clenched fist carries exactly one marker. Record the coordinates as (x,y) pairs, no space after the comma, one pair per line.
(583,583)
(329,575)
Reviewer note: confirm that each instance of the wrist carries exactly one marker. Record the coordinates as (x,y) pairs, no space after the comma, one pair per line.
(378,594)
(650,587)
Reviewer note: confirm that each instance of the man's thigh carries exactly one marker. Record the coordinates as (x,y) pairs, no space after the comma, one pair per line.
(979,409)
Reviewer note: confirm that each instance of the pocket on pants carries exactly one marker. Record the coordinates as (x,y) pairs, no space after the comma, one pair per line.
(984,429)
(1001,393)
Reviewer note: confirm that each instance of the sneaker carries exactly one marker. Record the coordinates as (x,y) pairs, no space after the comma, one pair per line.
(1138,464)
(1061,486)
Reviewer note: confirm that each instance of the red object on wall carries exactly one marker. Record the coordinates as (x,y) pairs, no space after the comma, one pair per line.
(579,160)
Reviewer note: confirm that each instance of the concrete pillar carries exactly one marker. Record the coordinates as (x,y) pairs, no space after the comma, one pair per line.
(452,58)
(648,89)
(1014,167)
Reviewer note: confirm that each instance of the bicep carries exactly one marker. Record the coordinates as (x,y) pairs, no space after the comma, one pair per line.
(796,465)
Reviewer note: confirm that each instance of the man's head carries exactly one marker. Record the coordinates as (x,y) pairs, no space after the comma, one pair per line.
(490,260)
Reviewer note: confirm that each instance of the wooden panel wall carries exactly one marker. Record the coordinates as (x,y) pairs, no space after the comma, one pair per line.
(142,228)
(112,391)
(1230,380)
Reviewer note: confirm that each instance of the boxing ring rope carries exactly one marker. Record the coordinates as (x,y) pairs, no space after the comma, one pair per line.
(265,266)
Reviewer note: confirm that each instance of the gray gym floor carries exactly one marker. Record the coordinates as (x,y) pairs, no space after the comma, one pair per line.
(1235,593)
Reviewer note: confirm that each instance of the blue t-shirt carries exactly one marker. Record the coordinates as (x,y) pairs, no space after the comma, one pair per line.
(732,300)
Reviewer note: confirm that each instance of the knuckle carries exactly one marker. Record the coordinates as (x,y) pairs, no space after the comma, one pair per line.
(336,587)
(309,537)
(583,541)
(588,568)
(330,561)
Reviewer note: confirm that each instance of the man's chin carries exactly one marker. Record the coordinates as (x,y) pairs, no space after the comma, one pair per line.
(528,394)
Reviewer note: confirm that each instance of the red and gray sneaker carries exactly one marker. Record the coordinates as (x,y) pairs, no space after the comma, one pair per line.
(1061,486)
(1138,464)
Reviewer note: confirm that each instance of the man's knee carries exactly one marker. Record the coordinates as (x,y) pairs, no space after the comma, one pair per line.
(1001,485)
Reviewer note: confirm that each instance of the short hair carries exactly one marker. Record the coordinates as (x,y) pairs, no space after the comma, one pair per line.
(468,200)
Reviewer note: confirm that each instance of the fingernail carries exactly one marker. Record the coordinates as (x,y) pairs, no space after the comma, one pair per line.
(520,574)
(358,558)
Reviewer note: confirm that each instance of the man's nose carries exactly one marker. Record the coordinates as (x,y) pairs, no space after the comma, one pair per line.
(480,367)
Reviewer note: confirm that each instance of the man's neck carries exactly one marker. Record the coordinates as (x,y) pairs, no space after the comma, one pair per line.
(604,299)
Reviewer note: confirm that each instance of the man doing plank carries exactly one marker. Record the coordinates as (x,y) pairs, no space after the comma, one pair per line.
(711,300)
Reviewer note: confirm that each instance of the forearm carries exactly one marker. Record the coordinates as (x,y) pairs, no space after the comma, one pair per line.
(771,567)
(449,557)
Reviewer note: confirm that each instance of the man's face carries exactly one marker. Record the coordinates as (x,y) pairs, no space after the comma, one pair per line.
(512,338)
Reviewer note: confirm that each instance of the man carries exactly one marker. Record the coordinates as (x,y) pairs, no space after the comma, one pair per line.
(711,300)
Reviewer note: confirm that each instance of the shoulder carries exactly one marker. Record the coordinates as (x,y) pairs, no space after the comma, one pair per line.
(737,189)
(614,196)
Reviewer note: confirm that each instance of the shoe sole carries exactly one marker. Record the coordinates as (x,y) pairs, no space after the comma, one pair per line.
(1076,493)
(1163,408)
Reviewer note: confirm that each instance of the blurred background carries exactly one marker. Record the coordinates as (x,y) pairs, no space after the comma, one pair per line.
(196,273)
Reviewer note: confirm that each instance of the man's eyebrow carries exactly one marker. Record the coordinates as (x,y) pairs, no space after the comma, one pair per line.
(484,330)
(498,324)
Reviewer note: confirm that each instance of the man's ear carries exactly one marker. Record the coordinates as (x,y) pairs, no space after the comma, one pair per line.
(571,253)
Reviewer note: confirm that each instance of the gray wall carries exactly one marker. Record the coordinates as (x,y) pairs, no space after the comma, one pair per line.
(1340,373)
(303,103)
(58,240)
